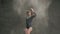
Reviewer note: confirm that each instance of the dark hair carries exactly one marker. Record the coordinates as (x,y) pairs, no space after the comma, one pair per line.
(29,11)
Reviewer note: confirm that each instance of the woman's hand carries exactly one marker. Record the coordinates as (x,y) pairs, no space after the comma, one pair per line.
(32,9)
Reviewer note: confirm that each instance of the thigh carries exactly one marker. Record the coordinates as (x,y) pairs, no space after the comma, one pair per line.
(30,29)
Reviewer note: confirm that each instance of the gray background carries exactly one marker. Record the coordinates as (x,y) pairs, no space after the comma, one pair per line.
(13,14)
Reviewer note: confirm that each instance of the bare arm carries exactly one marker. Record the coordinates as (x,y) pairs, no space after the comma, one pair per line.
(34,14)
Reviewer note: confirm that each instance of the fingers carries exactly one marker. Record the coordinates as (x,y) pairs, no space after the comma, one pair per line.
(32,9)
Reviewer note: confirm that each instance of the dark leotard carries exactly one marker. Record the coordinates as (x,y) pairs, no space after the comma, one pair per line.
(29,21)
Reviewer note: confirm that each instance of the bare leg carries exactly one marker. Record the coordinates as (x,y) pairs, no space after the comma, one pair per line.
(28,31)
(25,30)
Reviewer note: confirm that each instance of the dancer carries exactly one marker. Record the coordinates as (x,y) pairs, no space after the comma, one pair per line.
(30,15)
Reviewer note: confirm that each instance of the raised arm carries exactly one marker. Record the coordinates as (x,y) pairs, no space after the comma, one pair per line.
(33,13)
